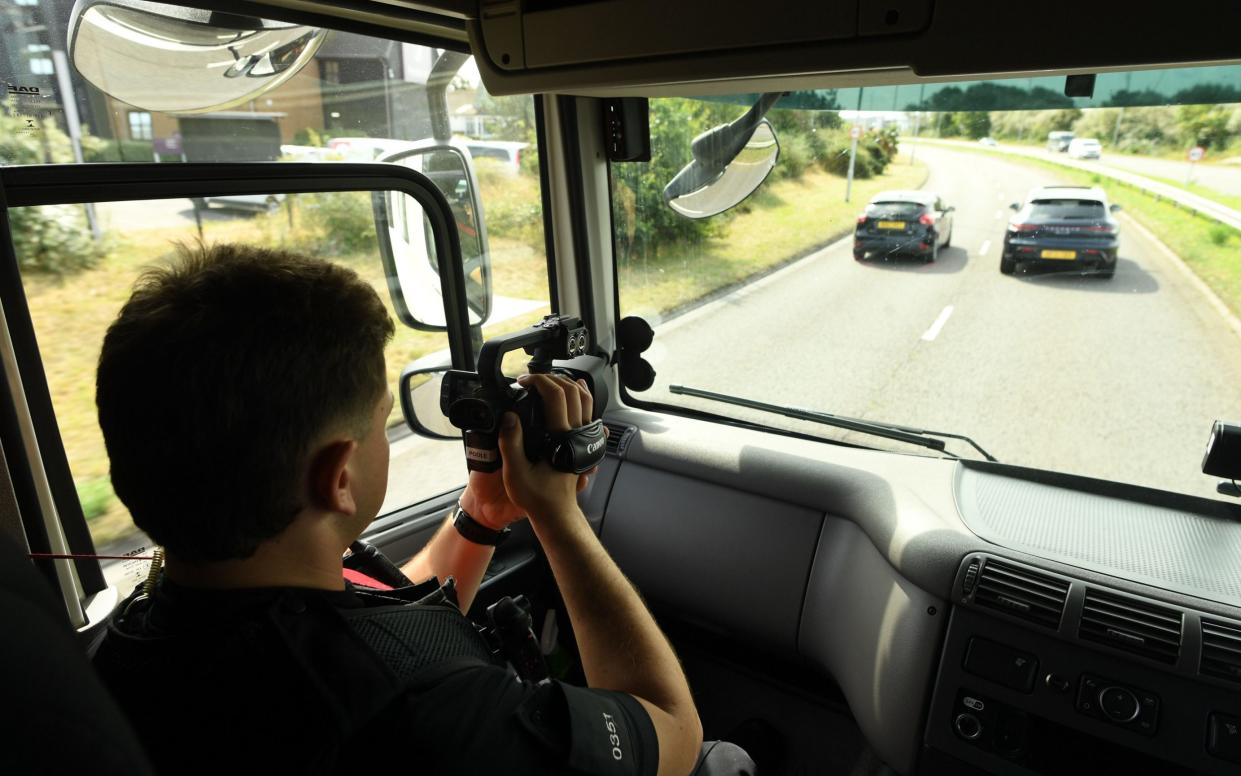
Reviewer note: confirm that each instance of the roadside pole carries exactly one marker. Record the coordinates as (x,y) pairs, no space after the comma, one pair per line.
(1195,154)
(854,134)
(913,147)
(74,125)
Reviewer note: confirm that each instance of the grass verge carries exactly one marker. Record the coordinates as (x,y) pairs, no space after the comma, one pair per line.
(788,220)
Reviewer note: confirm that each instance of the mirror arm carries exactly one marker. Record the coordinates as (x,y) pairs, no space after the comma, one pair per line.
(716,147)
(443,71)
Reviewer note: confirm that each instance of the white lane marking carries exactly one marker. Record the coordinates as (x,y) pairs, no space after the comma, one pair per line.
(982,251)
(933,332)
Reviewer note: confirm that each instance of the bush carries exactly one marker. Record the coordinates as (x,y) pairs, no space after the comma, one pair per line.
(837,159)
(95,496)
(122,151)
(795,156)
(53,239)
(1219,234)
(335,224)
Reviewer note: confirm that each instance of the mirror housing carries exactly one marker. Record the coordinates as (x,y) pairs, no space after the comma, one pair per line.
(419,389)
(412,269)
(1014,206)
(179,60)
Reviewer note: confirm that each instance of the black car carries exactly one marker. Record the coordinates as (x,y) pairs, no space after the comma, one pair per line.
(1070,227)
(903,222)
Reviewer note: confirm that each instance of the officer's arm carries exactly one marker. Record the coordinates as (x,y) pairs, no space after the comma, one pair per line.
(449,554)
(621,646)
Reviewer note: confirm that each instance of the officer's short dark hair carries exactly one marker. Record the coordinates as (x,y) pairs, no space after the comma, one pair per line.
(219,374)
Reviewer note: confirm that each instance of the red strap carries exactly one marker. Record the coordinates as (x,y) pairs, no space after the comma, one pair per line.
(358,578)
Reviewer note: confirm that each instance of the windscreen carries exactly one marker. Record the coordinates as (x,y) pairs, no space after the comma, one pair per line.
(1107,350)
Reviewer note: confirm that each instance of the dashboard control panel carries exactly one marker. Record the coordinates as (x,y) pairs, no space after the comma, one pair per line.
(1047,674)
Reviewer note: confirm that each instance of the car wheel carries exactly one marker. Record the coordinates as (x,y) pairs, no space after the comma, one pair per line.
(948,241)
(858,255)
(932,254)
(1107,271)
(1007,265)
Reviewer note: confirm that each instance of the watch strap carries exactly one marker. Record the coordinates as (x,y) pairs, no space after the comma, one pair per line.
(473,531)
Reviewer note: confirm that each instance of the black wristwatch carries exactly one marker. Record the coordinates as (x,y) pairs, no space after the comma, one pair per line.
(474,531)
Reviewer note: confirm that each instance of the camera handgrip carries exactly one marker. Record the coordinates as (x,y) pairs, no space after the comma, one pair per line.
(578,450)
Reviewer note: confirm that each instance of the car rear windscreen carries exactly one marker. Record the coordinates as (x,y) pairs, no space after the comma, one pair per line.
(894,209)
(1068,208)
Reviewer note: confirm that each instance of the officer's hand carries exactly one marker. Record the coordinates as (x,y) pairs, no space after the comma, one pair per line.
(538,489)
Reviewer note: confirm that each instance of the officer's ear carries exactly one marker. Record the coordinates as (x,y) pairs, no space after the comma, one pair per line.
(330,481)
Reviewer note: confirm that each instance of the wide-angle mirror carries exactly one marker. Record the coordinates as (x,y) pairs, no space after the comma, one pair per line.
(184,60)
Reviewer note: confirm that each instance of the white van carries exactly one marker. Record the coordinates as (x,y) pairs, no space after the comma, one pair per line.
(1085,148)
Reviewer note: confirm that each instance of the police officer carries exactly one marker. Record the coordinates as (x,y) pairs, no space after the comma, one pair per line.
(242,397)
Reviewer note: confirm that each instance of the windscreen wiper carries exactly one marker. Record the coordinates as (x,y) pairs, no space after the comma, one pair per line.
(913,436)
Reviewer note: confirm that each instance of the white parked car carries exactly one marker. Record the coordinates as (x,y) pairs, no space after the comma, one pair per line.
(1085,148)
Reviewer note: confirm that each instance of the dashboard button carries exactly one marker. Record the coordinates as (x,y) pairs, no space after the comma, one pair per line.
(1001,664)
(1224,736)
(1119,704)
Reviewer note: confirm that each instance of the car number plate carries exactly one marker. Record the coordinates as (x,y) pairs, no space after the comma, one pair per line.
(891,224)
(1058,255)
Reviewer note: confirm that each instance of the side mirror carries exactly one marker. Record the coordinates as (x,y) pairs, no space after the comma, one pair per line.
(1114,208)
(412,269)
(183,60)
(1014,206)
(419,390)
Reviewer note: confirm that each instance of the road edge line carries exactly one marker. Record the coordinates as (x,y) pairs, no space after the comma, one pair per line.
(1195,280)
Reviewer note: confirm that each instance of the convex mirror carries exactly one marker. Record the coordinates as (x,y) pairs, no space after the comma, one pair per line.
(180,60)
(708,192)
(412,268)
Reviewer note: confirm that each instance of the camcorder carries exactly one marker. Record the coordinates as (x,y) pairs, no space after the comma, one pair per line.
(475,402)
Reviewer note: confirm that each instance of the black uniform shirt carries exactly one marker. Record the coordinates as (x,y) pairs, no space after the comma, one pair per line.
(288,680)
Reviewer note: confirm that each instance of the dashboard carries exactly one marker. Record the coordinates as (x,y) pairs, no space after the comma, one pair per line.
(978,618)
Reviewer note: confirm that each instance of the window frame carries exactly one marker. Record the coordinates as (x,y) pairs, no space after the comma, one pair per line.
(58,184)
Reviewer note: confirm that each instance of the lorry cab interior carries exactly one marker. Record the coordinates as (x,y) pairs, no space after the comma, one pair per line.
(969,513)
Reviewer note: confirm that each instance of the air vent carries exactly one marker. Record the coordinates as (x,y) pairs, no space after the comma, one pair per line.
(618,437)
(1135,626)
(1022,593)
(1221,651)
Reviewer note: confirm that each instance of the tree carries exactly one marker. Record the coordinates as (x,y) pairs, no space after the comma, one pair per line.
(974,124)
(1204,125)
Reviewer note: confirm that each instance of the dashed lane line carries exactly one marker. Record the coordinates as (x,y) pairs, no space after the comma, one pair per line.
(930,334)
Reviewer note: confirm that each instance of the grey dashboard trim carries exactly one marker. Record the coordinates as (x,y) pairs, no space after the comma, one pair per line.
(903,503)
(1165,546)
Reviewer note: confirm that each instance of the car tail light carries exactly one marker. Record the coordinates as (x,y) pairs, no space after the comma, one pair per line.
(1023,227)
(861,219)
(1101,229)
(926,219)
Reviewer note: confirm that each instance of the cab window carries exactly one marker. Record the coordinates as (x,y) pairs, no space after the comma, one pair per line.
(356,98)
